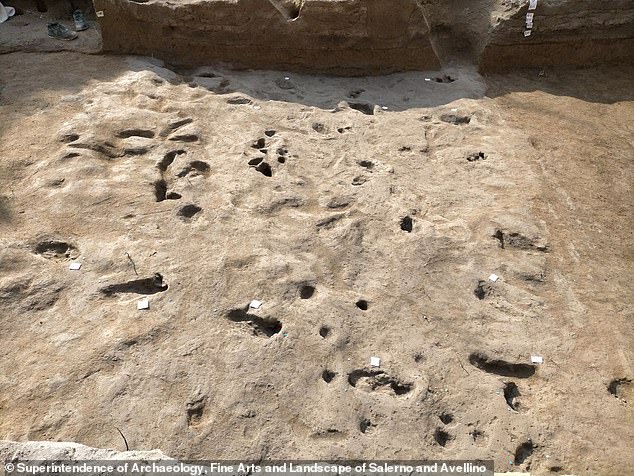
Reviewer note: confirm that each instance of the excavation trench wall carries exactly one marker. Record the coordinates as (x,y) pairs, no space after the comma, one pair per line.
(341,37)
(359,37)
(564,32)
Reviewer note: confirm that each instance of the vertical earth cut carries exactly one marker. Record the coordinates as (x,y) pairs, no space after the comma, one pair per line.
(357,37)
(564,33)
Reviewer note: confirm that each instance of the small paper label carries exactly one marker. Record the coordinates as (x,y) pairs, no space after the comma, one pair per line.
(529,17)
(532,4)
(255,304)
(536,359)
(494,278)
(527,33)
(74,266)
(375,361)
(143,304)
(100,14)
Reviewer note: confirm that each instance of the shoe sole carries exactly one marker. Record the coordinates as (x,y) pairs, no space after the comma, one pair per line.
(63,39)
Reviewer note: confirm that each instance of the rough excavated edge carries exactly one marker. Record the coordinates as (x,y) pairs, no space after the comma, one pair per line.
(51,450)
(346,37)
(66,451)
(565,33)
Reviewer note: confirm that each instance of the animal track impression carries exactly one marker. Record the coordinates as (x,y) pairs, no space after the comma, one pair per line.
(151,285)
(168,159)
(197,167)
(523,452)
(174,125)
(306,291)
(54,249)
(377,380)
(127,133)
(365,425)
(407,224)
(519,241)
(185,138)
(622,389)
(501,367)
(195,409)
(483,289)
(128,142)
(475,156)
(188,211)
(511,392)
(455,119)
(265,169)
(161,193)
(161,186)
(328,375)
(445,418)
(477,436)
(239,100)
(442,437)
(445,78)
(259,163)
(261,326)
(363,107)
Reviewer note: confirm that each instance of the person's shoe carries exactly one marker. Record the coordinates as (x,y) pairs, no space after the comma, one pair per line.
(60,32)
(80,20)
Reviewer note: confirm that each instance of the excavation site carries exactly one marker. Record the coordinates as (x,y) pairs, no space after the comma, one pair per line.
(375,234)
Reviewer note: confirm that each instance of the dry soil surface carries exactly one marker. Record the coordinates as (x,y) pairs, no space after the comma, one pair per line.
(366,214)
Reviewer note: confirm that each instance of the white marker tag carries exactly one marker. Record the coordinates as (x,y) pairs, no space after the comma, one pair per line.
(527,32)
(100,14)
(74,266)
(532,4)
(255,304)
(529,25)
(529,17)
(494,278)
(536,359)
(375,362)
(143,304)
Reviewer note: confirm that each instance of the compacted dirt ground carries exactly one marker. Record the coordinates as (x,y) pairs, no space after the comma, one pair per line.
(366,214)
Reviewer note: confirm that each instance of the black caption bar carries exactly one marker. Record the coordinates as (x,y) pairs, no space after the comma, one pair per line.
(244,468)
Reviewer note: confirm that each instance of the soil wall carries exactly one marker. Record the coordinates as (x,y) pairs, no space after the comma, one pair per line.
(341,37)
(359,37)
(570,33)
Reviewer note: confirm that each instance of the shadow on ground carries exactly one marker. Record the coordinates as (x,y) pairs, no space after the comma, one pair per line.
(607,85)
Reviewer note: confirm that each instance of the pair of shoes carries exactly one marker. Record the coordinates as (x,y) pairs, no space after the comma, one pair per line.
(60,32)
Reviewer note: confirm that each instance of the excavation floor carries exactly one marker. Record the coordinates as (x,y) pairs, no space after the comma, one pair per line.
(367,215)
